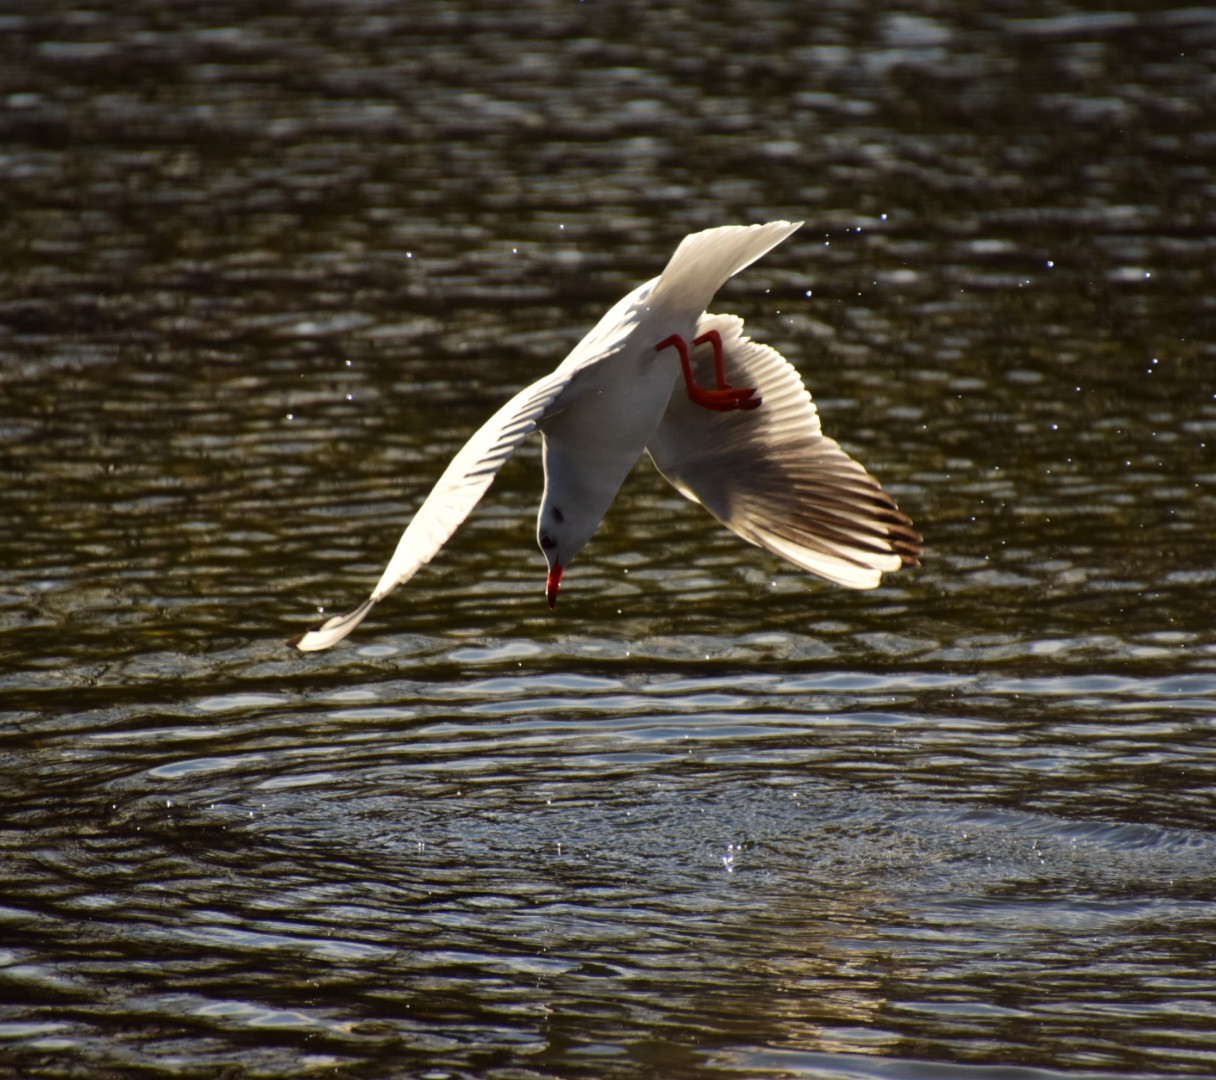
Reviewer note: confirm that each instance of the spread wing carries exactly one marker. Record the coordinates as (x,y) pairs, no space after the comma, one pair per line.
(475,466)
(771,476)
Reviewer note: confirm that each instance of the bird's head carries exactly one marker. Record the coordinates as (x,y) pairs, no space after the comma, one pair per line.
(577,495)
(552,533)
(562,530)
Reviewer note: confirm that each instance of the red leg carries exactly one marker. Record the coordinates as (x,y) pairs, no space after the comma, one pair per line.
(725,398)
(681,346)
(715,339)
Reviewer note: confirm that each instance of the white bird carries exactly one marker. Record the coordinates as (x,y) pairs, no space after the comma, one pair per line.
(753,456)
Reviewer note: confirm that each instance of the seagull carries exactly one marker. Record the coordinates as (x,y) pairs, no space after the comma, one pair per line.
(743,439)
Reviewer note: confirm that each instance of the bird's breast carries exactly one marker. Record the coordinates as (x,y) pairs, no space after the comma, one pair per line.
(616,416)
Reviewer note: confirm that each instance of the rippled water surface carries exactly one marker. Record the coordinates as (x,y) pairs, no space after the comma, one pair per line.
(265,270)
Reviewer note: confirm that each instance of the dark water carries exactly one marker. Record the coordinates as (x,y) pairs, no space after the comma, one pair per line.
(264,271)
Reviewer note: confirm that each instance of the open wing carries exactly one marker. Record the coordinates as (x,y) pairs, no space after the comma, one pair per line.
(771,476)
(474,468)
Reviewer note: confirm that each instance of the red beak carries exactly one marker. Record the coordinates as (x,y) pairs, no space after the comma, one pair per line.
(554,583)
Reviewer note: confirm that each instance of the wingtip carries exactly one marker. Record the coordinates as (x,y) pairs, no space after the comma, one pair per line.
(332,630)
(787,228)
(296,643)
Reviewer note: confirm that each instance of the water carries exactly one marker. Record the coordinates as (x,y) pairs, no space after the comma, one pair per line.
(265,272)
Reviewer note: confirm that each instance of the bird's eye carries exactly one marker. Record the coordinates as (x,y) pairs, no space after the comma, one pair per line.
(547,542)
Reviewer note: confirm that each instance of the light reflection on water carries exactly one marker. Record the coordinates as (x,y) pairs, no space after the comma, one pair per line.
(265,272)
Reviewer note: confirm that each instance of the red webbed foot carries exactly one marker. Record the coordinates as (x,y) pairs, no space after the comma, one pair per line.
(725,398)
